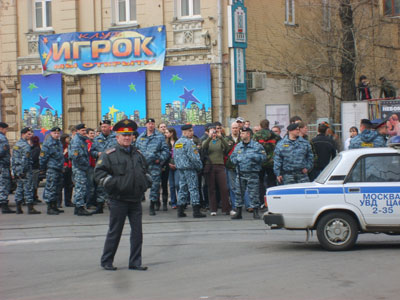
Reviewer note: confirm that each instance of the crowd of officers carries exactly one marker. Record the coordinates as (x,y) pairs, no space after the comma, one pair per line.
(216,170)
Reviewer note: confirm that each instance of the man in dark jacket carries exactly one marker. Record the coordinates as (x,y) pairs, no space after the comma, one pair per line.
(325,150)
(121,170)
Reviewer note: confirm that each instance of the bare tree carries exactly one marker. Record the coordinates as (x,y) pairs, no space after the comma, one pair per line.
(333,41)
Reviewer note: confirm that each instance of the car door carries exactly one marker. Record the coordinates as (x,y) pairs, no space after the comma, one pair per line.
(373,185)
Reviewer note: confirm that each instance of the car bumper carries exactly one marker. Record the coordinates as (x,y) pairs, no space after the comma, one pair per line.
(273,220)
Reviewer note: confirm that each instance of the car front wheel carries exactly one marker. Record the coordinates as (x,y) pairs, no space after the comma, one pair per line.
(337,231)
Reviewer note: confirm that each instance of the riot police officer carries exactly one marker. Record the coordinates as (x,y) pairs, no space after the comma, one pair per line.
(293,157)
(368,138)
(79,156)
(51,160)
(5,175)
(248,157)
(22,169)
(152,145)
(188,163)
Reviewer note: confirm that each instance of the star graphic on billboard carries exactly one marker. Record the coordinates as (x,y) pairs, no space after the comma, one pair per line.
(112,111)
(188,96)
(43,104)
(32,86)
(132,87)
(175,78)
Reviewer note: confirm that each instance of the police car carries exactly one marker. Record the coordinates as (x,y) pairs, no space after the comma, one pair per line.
(358,192)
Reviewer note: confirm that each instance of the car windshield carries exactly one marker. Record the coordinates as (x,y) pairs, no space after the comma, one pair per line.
(324,175)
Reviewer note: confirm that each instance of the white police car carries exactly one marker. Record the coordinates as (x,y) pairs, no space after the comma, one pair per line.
(358,192)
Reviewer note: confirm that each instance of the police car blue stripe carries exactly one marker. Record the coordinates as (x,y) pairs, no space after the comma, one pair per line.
(336,190)
(302,191)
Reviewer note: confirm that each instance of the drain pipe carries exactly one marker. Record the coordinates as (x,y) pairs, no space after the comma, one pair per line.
(220,70)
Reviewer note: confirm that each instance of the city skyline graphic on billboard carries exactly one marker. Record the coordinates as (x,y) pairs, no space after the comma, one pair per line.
(186,95)
(41,102)
(123,96)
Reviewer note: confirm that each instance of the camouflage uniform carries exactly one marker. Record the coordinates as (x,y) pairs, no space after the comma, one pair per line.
(188,162)
(291,157)
(367,139)
(22,169)
(79,156)
(52,160)
(100,144)
(5,178)
(153,148)
(248,159)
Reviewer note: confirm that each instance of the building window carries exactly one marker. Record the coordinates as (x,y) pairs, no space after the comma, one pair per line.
(326,14)
(188,8)
(126,11)
(391,8)
(42,14)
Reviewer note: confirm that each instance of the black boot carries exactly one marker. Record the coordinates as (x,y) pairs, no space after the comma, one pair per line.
(238,214)
(181,211)
(255,214)
(6,210)
(152,211)
(32,210)
(56,208)
(99,208)
(19,208)
(197,213)
(165,203)
(81,211)
(51,210)
(157,205)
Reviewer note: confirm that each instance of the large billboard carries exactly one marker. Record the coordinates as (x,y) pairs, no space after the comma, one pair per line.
(81,53)
(123,96)
(186,95)
(41,102)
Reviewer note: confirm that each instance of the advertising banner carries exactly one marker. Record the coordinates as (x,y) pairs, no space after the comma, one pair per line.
(123,96)
(186,95)
(41,103)
(81,53)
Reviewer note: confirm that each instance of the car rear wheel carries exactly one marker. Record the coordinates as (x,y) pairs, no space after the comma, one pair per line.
(337,231)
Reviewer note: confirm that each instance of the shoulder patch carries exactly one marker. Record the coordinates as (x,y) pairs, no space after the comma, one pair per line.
(99,161)
(177,146)
(15,147)
(285,145)
(100,141)
(76,152)
(110,150)
(41,153)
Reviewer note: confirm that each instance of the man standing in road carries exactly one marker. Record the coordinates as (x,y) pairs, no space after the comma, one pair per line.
(5,174)
(293,157)
(152,145)
(368,138)
(121,171)
(22,169)
(248,157)
(51,161)
(188,162)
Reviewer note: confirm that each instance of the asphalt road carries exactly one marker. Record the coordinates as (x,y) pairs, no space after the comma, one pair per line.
(57,257)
